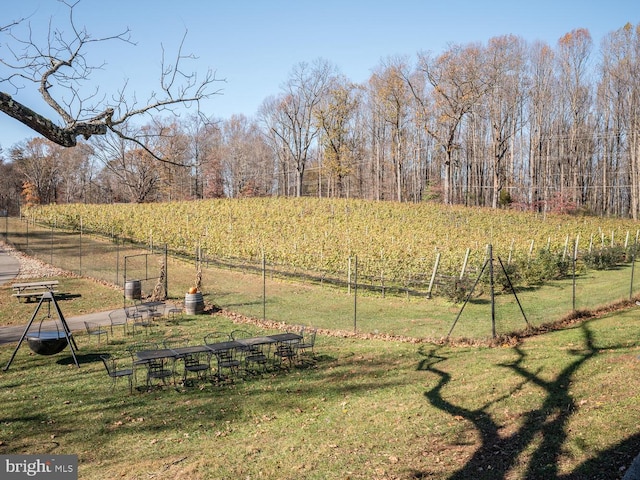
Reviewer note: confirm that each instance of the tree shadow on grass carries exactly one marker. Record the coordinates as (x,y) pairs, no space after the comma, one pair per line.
(83,358)
(607,463)
(543,431)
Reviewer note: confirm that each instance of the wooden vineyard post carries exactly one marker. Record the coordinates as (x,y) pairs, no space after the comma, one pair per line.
(464,264)
(349,277)
(264,286)
(355,296)
(574,261)
(433,275)
(633,267)
(493,297)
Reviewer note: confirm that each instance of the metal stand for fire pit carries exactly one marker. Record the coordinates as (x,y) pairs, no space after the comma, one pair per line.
(48,342)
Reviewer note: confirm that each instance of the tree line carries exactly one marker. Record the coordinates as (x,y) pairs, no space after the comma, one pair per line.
(506,123)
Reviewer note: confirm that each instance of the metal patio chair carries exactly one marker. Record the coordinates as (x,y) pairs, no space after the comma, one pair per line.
(227,360)
(157,369)
(285,351)
(251,355)
(135,362)
(307,343)
(196,363)
(111,365)
(96,330)
(118,318)
(174,312)
(216,337)
(137,319)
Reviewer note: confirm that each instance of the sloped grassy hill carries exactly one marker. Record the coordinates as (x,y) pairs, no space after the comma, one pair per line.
(393,240)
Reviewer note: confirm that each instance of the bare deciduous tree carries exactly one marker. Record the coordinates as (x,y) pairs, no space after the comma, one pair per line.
(575,101)
(290,120)
(10,183)
(37,161)
(335,118)
(131,171)
(76,172)
(244,158)
(393,98)
(455,79)
(541,109)
(61,65)
(505,94)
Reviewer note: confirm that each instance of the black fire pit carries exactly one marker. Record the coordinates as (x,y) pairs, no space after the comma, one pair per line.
(48,342)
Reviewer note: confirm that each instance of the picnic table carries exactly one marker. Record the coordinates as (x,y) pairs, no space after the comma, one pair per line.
(33,290)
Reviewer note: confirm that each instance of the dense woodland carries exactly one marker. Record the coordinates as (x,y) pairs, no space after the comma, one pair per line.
(509,123)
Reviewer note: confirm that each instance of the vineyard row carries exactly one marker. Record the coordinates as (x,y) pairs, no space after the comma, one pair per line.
(397,245)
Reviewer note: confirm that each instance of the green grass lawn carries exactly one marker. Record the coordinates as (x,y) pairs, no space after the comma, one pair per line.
(77,296)
(335,308)
(560,405)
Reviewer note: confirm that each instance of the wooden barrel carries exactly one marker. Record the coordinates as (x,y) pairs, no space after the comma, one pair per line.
(133,290)
(193,303)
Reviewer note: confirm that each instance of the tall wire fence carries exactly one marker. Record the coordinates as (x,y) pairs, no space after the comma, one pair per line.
(349,303)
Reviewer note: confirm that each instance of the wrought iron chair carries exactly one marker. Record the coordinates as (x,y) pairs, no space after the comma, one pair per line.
(255,354)
(157,369)
(307,343)
(118,318)
(174,311)
(111,365)
(152,311)
(197,363)
(226,358)
(135,362)
(216,337)
(96,330)
(286,351)
(137,319)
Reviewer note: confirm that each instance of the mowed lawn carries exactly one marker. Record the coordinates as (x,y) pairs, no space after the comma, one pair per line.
(558,405)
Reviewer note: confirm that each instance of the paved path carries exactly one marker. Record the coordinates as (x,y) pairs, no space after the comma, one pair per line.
(9,269)
(9,266)
(13,334)
(634,471)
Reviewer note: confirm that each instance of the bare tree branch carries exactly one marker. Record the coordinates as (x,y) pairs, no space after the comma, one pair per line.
(65,137)
(143,146)
(62,65)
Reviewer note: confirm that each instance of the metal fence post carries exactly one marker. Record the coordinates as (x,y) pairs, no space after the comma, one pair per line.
(355,296)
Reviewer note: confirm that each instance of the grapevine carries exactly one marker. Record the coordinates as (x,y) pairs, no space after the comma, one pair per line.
(393,241)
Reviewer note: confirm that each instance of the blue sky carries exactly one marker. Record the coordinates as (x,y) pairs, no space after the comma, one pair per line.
(254,44)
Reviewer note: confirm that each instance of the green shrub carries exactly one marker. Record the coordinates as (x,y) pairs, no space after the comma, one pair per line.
(504,277)
(505,198)
(545,266)
(630,253)
(604,258)
(455,289)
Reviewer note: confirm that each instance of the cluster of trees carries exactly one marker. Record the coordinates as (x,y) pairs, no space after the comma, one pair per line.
(506,123)
(192,159)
